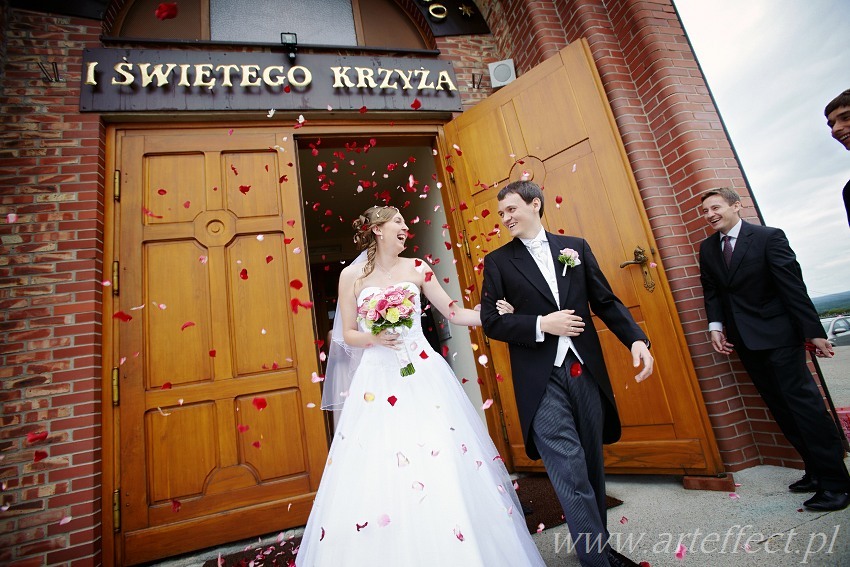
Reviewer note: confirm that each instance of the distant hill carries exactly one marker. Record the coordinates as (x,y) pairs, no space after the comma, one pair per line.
(834,304)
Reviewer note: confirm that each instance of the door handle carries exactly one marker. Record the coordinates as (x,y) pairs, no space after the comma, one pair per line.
(642,260)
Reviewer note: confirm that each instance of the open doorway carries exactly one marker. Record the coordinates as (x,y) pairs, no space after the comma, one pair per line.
(342,177)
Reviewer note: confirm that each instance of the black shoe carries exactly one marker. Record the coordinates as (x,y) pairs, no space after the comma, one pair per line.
(806,484)
(828,501)
(617,559)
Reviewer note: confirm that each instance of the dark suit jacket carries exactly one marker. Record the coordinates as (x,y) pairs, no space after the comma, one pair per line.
(761,297)
(511,273)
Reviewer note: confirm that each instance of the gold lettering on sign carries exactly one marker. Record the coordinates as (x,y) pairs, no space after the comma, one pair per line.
(385,83)
(308,76)
(123,69)
(444,77)
(202,75)
(184,75)
(249,76)
(423,78)
(90,80)
(161,77)
(226,82)
(341,77)
(267,78)
(405,79)
(364,77)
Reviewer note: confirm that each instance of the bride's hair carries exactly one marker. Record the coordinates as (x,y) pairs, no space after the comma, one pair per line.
(364,237)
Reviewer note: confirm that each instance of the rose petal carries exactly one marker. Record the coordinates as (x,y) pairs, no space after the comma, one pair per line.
(416,105)
(212,353)
(244,189)
(175,506)
(11,217)
(165,386)
(122,316)
(35,437)
(259,403)
(487,403)
(39,456)
(65,520)
(242,428)
(186,325)
(392,400)
(296,284)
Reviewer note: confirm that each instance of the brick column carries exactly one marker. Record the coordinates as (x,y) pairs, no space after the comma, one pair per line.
(51,264)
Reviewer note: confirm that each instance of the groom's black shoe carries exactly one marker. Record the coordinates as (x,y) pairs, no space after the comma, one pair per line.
(806,484)
(828,501)
(617,559)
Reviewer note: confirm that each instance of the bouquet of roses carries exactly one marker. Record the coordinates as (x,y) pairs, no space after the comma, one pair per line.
(391,308)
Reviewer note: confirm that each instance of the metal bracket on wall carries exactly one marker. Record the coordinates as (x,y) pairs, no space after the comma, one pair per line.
(47,77)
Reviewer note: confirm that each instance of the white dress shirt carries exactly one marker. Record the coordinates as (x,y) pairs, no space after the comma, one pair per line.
(547,267)
(733,239)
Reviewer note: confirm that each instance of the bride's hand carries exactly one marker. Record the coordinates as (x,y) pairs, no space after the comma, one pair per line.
(389,339)
(503,307)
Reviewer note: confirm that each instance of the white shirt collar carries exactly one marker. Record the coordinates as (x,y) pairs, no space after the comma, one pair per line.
(541,236)
(733,232)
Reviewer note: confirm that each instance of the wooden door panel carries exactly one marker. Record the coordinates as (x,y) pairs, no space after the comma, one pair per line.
(558,114)
(177,353)
(214,424)
(256,273)
(251,183)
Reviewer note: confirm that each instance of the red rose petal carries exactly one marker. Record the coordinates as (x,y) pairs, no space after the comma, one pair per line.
(256,444)
(445,350)
(161,191)
(186,325)
(259,403)
(187,204)
(244,189)
(416,105)
(296,284)
(242,428)
(282,179)
(288,240)
(166,11)
(392,400)
(575,369)
(212,353)
(485,213)
(428,276)
(269,259)
(464,380)
(165,386)
(122,316)
(363,110)
(175,506)
(423,355)
(39,456)
(36,437)
(244,273)
(291,222)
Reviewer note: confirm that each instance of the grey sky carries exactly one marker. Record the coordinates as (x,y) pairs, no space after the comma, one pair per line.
(772,66)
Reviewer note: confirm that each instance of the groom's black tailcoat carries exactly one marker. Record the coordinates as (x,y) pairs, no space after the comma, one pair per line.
(511,273)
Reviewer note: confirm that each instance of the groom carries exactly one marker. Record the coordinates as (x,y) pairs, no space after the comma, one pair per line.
(563,394)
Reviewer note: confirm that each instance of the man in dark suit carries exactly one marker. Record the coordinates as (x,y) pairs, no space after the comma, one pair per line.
(757,303)
(563,394)
(837,114)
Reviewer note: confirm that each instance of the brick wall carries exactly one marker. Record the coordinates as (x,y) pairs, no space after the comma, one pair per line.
(51,177)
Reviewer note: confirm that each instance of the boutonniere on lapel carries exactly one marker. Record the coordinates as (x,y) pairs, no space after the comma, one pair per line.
(569,258)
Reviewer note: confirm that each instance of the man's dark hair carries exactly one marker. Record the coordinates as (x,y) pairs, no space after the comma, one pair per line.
(841,100)
(527,191)
(730,196)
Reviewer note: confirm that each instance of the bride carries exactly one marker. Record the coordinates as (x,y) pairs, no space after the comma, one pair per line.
(412,477)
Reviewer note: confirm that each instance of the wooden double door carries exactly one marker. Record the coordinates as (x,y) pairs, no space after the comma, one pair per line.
(215,432)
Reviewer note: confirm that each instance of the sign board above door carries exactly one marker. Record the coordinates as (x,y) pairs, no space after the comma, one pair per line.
(134,80)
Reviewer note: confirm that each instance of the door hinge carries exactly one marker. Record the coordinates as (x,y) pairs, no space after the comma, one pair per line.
(116,398)
(116,185)
(504,427)
(115,274)
(466,245)
(116,510)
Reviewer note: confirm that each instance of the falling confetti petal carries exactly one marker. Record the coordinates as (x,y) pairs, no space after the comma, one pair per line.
(269,259)
(244,274)
(392,400)
(416,105)
(681,551)
(165,386)
(11,217)
(624,520)
(271,113)
(120,315)
(242,428)
(540,527)
(203,259)
(256,444)
(166,11)
(296,284)
(311,405)
(402,460)
(458,533)
(369,397)
(244,189)
(384,521)
(482,360)
(316,378)
(39,456)
(36,437)
(259,403)
(186,325)
(65,520)
(175,506)
(487,404)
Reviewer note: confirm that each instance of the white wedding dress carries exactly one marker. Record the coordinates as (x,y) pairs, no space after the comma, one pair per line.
(417,481)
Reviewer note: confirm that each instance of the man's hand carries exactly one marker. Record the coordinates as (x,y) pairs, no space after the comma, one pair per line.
(640,352)
(720,344)
(824,349)
(562,323)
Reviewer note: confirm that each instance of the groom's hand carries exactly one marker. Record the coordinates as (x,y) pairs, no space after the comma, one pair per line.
(640,352)
(562,323)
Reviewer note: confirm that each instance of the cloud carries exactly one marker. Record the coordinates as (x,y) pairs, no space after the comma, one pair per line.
(772,66)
